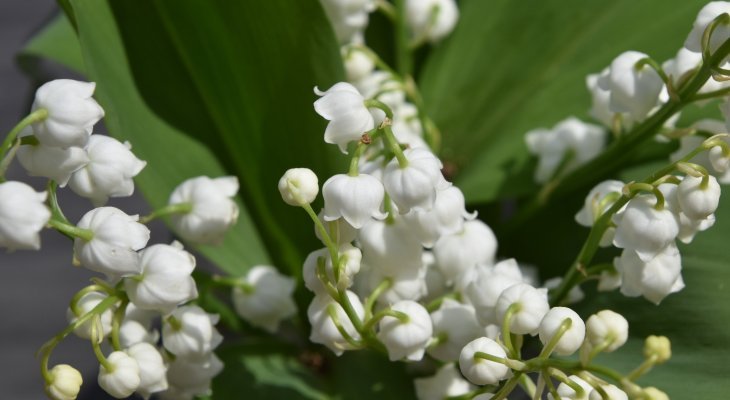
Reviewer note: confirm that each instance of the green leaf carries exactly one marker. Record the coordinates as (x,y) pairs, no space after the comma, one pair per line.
(513,66)
(695,320)
(238,77)
(253,371)
(172,155)
(56,41)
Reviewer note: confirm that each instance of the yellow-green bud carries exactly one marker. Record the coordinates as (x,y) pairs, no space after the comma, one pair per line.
(659,347)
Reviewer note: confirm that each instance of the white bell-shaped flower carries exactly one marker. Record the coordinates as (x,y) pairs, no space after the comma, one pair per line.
(696,200)
(123,378)
(654,279)
(568,393)
(487,285)
(713,160)
(50,162)
(454,325)
(165,279)
(688,227)
(354,198)
(632,90)
(643,228)
(385,87)
(267,298)
(431,19)
(390,247)
(109,172)
(447,382)
(406,284)
(569,138)
(85,304)
(613,393)
(23,215)
(533,305)
(478,370)
(407,127)
(358,64)
(414,186)
(457,252)
(446,217)
(344,107)
(152,369)
(72,113)
(299,186)
(608,329)
(406,339)
(571,339)
(213,210)
(65,382)
(720,163)
(349,18)
(708,13)
(189,333)
(600,100)
(190,378)
(324,330)
(116,239)
(436,285)
(136,327)
(685,63)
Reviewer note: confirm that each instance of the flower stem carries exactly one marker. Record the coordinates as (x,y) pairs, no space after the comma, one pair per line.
(36,116)
(171,209)
(71,231)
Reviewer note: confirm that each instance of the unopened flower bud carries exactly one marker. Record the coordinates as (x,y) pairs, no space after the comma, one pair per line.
(533,306)
(658,347)
(299,186)
(612,392)
(572,337)
(607,328)
(65,382)
(478,370)
(652,393)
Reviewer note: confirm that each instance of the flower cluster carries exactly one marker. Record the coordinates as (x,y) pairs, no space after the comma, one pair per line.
(143,286)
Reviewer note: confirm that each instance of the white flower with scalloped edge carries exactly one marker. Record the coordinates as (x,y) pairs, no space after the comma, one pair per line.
(457,252)
(123,379)
(698,197)
(708,13)
(113,247)
(165,279)
(354,198)
(633,90)
(350,258)
(478,370)
(344,107)
(654,279)
(431,20)
(152,369)
(391,247)
(213,210)
(109,171)
(72,113)
(189,333)
(415,185)
(487,284)
(454,325)
(446,217)
(188,378)
(406,339)
(50,162)
(571,143)
(23,215)
(645,229)
(447,382)
(266,299)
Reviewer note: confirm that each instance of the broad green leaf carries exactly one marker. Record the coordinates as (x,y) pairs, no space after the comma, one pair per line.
(172,156)
(513,66)
(56,41)
(255,371)
(238,77)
